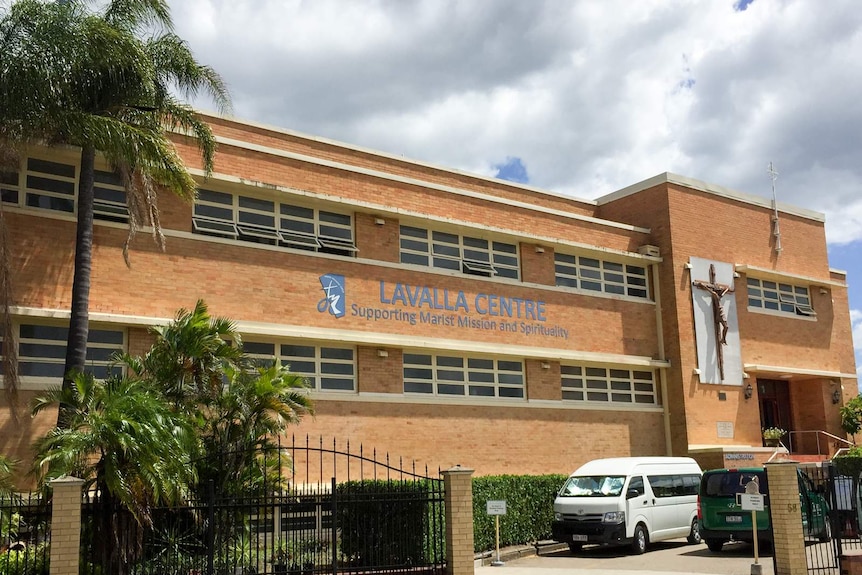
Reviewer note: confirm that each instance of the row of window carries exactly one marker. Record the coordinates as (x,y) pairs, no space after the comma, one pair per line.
(50,185)
(780,297)
(42,352)
(275,223)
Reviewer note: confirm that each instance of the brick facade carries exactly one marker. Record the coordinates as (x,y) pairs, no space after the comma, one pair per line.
(274,293)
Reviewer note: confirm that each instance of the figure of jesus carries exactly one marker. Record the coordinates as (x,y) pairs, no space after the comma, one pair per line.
(716,292)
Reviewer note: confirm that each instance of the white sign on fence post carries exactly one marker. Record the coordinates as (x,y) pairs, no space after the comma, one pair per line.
(496,508)
(752,500)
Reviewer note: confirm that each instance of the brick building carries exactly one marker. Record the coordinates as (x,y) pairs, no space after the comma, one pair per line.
(456,319)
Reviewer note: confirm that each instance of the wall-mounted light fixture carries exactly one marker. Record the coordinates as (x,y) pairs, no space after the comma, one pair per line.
(382,353)
(379,221)
(540,250)
(749,391)
(824,291)
(836,397)
(546,365)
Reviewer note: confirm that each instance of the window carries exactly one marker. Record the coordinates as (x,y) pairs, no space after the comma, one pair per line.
(49,185)
(9,187)
(269,222)
(674,485)
(325,368)
(465,254)
(52,185)
(464,376)
(779,297)
(599,275)
(607,385)
(109,197)
(42,351)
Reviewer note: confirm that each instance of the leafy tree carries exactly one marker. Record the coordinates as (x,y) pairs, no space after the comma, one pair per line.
(7,468)
(71,76)
(253,408)
(127,444)
(851,415)
(188,360)
(198,364)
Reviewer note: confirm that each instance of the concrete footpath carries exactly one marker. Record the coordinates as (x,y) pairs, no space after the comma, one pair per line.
(664,558)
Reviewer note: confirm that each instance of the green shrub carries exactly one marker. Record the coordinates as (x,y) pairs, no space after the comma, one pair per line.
(529,508)
(384,522)
(32,560)
(849,464)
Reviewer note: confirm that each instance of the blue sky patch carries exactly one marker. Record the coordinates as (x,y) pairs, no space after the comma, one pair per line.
(512,170)
(741,5)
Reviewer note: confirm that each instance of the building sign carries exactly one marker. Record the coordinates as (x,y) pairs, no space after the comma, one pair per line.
(737,456)
(416,305)
(333,299)
(724,429)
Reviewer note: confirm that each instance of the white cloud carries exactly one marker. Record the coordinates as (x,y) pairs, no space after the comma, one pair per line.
(590,96)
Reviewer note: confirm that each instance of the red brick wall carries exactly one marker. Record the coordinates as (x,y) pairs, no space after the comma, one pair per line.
(491,440)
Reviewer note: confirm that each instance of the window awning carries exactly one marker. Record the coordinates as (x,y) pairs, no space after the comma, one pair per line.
(786,372)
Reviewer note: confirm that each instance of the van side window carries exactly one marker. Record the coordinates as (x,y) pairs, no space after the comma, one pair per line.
(674,485)
(637,483)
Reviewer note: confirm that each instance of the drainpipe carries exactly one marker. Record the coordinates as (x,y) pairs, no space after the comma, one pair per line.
(662,372)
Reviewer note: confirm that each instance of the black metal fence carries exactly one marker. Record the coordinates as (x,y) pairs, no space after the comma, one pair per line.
(307,510)
(823,553)
(25,524)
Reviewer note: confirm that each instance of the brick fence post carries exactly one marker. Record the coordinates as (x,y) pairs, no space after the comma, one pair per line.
(458,485)
(66,525)
(788,543)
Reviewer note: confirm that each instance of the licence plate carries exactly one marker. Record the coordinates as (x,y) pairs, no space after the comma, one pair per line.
(579,537)
(733,518)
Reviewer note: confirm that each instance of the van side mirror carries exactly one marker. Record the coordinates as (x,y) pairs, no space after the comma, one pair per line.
(632,493)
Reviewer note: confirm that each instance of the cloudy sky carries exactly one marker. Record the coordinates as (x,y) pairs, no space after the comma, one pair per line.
(578,97)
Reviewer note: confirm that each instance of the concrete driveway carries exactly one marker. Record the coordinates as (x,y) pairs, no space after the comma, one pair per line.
(665,558)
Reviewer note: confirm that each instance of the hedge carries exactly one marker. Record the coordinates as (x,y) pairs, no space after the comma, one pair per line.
(529,508)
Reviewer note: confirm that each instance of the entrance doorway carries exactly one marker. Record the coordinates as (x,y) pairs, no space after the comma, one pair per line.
(774,397)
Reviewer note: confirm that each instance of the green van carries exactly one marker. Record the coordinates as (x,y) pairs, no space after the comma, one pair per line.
(721,518)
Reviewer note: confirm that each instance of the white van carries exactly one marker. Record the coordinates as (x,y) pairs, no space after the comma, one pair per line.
(628,501)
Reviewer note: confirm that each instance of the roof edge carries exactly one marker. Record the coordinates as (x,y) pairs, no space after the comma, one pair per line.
(398,158)
(714,189)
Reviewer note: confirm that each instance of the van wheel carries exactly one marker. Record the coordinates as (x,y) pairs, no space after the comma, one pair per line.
(575,547)
(694,534)
(715,544)
(639,540)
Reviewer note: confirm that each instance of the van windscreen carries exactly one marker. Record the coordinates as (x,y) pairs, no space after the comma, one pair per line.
(593,486)
(733,482)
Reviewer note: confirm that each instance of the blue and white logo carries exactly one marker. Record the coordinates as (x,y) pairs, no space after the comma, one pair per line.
(333,299)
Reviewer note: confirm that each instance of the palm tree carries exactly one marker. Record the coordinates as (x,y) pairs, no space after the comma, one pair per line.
(123,439)
(88,79)
(7,468)
(189,357)
(239,437)
(198,364)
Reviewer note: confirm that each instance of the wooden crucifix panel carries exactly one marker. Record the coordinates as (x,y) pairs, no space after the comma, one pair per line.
(716,328)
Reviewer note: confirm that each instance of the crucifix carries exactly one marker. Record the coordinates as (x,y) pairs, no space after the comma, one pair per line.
(717,291)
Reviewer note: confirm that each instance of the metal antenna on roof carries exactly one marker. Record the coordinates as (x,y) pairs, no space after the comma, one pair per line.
(776,231)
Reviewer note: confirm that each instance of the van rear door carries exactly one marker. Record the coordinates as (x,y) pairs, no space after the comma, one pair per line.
(720,505)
